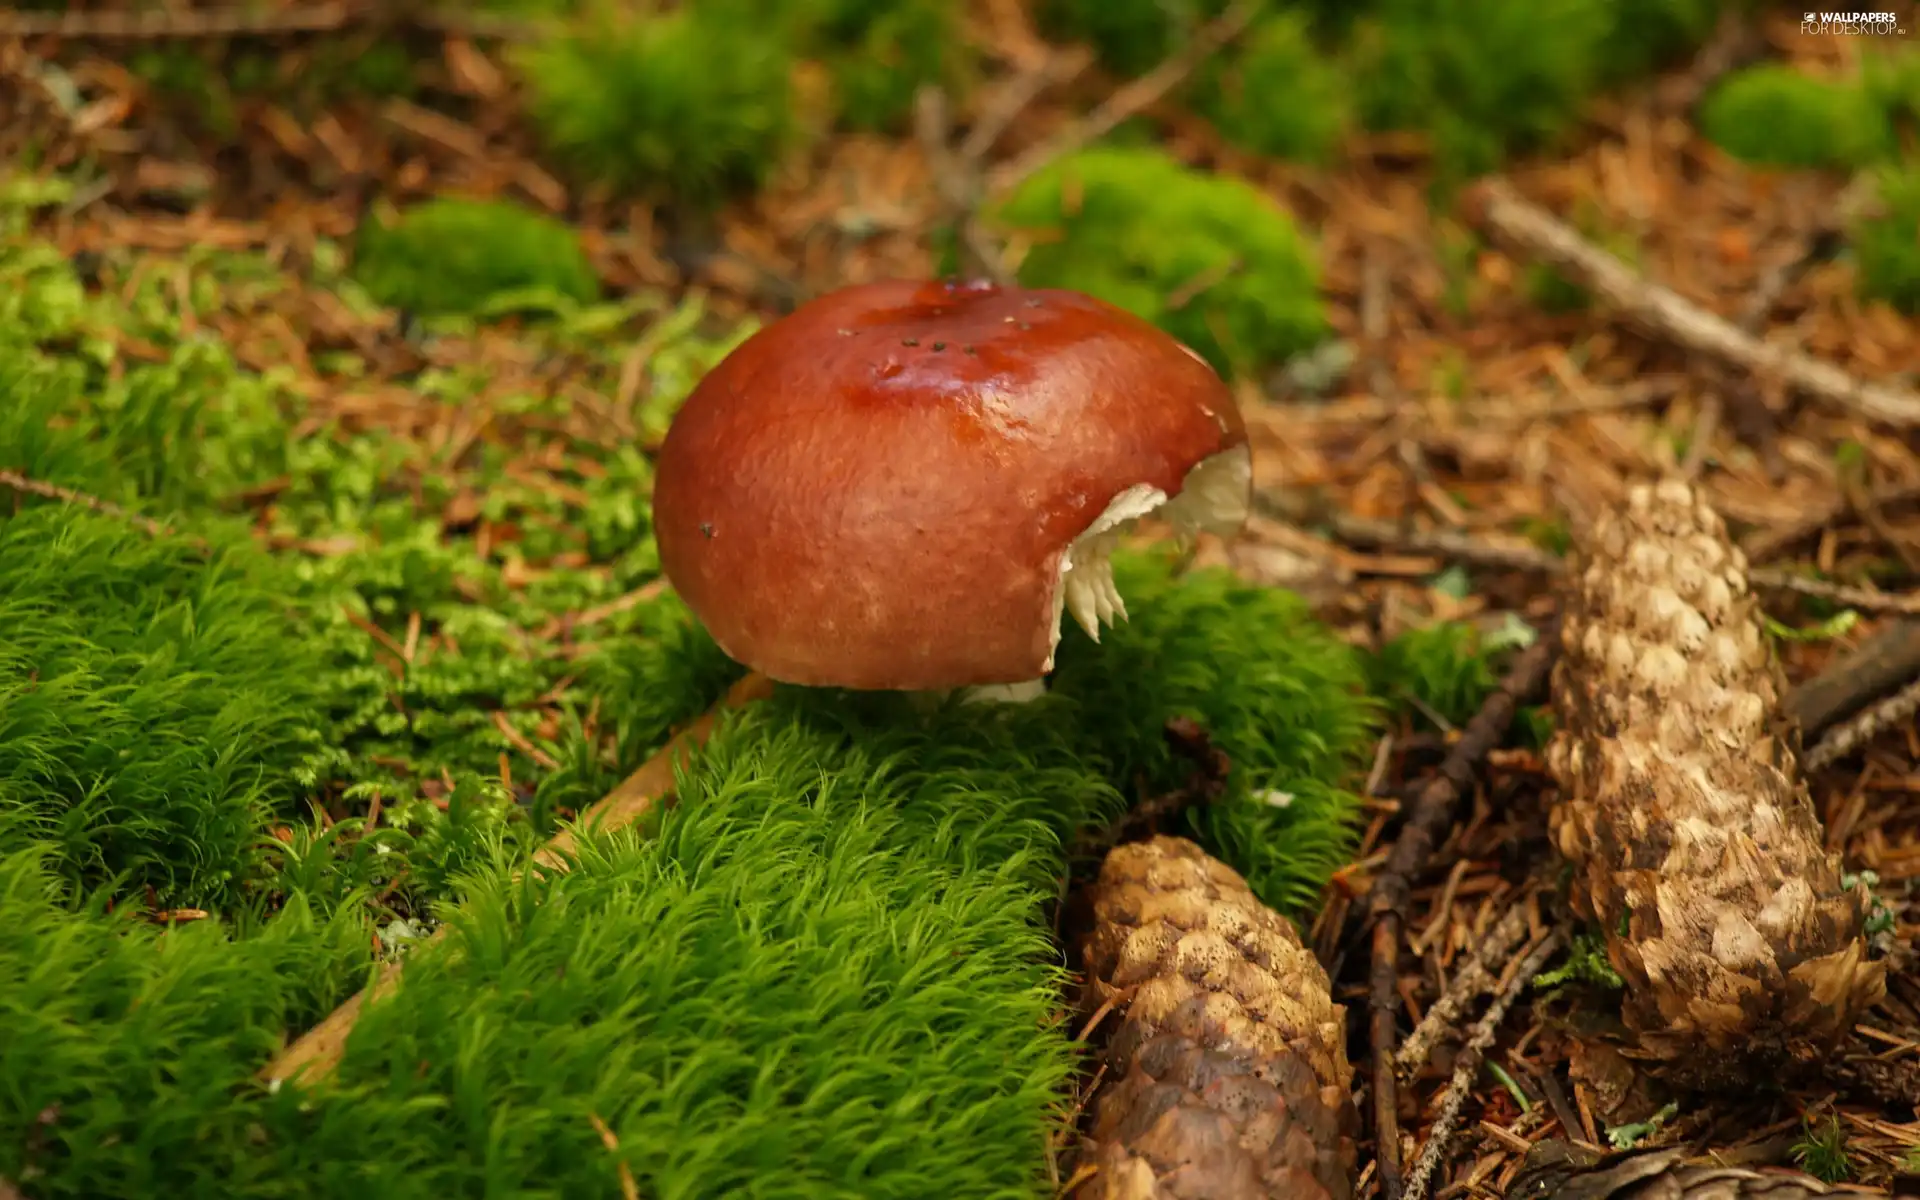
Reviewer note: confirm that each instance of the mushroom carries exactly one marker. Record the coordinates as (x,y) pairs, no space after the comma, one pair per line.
(903,485)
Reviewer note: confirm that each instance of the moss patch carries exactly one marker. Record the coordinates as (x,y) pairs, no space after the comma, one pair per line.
(1774,115)
(826,970)
(684,106)
(1281,92)
(1886,245)
(1211,260)
(1484,78)
(450,255)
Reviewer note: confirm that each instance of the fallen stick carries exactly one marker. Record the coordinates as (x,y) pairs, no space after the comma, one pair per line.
(1129,100)
(1496,208)
(315,1054)
(1468,1065)
(1878,666)
(242,21)
(1433,812)
(1468,985)
(1843,739)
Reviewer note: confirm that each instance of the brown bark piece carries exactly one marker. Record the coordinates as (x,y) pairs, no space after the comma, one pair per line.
(1229,1064)
(1682,808)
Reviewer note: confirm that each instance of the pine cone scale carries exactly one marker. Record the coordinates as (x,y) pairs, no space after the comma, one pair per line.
(1228,1070)
(1693,838)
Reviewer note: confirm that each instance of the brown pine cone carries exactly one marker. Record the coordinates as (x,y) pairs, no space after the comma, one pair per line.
(1558,1171)
(1228,1070)
(1693,838)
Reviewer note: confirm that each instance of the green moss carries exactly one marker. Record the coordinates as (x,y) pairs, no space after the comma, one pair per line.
(1650,34)
(1891,79)
(1211,260)
(682,106)
(1441,669)
(1484,78)
(1291,712)
(882,52)
(1280,93)
(828,969)
(155,709)
(450,255)
(1886,244)
(1129,36)
(124,1064)
(879,53)
(1772,115)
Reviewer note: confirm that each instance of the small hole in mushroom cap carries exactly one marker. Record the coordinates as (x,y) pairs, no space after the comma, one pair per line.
(969,350)
(909,341)
(938,346)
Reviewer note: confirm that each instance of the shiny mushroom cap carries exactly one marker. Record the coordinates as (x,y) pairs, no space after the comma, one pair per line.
(903,485)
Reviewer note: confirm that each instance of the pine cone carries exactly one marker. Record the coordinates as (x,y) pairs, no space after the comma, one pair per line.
(1692,835)
(1229,1067)
(1558,1171)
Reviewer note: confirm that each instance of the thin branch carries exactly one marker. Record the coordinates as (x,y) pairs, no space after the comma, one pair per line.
(1130,100)
(1763,545)
(1468,1065)
(1845,595)
(246,21)
(1473,981)
(1873,670)
(1664,313)
(314,1055)
(17,482)
(1434,810)
(1371,534)
(1850,735)
(1014,96)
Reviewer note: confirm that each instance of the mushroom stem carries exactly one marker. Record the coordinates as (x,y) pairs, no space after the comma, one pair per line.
(1004,693)
(985,693)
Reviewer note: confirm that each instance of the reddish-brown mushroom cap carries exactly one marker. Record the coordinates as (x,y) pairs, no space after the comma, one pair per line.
(895,486)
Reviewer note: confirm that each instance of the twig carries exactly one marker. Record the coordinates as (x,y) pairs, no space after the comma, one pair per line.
(958,182)
(1015,95)
(1845,595)
(1767,544)
(1734,43)
(1877,667)
(1128,101)
(244,21)
(1664,313)
(1848,736)
(1433,812)
(1471,982)
(315,1054)
(1371,534)
(17,482)
(1468,1065)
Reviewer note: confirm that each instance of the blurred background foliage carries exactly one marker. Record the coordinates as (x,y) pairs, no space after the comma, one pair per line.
(692,106)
